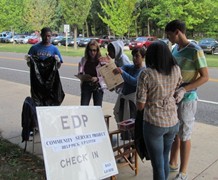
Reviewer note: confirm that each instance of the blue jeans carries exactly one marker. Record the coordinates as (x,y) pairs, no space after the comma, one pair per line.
(158,141)
(87,91)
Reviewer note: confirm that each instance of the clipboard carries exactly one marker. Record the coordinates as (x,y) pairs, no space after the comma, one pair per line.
(83,77)
(112,80)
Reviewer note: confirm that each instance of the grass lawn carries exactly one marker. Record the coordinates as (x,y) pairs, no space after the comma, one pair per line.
(15,164)
(212,60)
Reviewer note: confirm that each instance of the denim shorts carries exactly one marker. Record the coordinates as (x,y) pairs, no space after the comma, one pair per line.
(186,115)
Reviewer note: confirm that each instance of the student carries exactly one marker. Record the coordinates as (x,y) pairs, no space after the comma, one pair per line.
(44,59)
(45,49)
(192,62)
(89,65)
(155,95)
(125,107)
(115,51)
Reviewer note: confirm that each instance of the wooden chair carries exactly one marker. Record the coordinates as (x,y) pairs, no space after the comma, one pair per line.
(122,149)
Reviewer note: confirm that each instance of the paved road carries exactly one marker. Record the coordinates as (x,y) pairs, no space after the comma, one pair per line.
(13,68)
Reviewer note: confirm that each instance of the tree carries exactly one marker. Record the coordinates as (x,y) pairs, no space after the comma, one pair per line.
(95,24)
(39,13)
(119,15)
(11,15)
(75,13)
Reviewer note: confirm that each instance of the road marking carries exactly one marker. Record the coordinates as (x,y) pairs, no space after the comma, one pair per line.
(24,71)
(20,59)
(209,102)
(74,79)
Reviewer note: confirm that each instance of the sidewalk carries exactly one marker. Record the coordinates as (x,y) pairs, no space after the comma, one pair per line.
(204,156)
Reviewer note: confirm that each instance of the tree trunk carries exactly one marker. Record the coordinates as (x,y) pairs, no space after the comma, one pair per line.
(75,36)
(148,26)
(136,29)
(87,29)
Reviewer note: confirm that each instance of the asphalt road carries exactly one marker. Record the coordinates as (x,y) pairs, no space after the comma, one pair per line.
(13,68)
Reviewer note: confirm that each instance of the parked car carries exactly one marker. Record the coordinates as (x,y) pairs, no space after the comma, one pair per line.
(33,40)
(2,37)
(56,40)
(18,39)
(84,41)
(140,42)
(70,41)
(26,39)
(103,41)
(190,40)
(8,39)
(209,45)
(166,40)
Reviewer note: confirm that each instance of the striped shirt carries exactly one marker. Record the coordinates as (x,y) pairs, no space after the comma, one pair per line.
(190,59)
(156,91)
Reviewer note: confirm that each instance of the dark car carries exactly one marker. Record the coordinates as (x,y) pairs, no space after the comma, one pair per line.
(140,42)
(84,41)
(209,45)
(70,41)
(57,40)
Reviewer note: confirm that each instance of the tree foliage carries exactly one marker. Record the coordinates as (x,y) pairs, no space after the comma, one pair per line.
(75,13)
(119,15)
(39,13)
(11,15)
(138,17)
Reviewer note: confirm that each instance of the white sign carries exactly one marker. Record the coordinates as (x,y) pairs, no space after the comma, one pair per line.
(75,143)
(66,28)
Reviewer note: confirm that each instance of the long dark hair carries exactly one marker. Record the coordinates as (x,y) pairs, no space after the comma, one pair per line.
(95,43)
(159,57)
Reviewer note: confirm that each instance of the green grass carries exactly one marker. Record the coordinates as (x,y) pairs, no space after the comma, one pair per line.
(15,164)
(212,60)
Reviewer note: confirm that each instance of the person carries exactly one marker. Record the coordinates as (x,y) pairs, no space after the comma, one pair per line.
(192,62)
(44,60)
(45,49)
(155,95)
(115,51)
(125,107)
(89,65)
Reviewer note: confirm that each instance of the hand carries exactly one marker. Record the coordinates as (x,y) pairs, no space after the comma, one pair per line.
(27,57)
(117,70)
(106,59)
(94,79)
(179,94)
(57,58)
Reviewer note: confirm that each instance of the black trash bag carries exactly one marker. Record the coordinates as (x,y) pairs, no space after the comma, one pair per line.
(138,138)
(46,87)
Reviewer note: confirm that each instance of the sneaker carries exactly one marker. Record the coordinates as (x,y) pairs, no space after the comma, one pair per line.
(174,168)
(181,176)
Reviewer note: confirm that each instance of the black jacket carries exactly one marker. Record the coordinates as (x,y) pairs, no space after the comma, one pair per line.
(28,118)
(138,138)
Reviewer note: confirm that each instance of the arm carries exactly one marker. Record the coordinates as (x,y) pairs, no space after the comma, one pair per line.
(130,79)
(57,52)
(141,91)
(203,78)
(140,106)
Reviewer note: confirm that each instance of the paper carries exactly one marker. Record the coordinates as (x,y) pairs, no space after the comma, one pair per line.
(84,77)
(112,80)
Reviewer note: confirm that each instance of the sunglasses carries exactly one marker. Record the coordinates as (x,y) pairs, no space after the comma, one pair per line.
(92,50)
